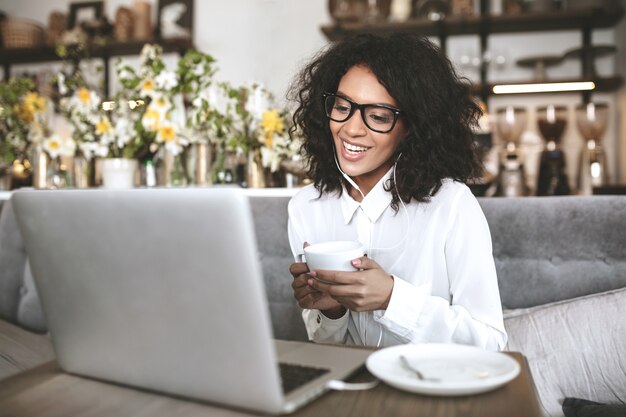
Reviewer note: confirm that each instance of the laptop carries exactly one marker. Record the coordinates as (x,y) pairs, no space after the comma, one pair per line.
(162,289)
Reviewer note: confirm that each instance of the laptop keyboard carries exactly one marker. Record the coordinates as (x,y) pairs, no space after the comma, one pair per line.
(295,376)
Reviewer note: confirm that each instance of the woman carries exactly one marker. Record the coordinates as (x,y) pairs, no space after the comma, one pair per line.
(387,132)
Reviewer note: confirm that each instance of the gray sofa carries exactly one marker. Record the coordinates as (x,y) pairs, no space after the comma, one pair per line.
(561,265)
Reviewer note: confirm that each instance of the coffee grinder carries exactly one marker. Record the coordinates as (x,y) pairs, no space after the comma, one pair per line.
(510,124)
(552,179)
(592,120)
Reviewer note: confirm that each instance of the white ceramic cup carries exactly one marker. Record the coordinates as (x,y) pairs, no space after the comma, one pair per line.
(333,256)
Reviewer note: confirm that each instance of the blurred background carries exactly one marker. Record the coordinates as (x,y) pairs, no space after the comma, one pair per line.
(499,42)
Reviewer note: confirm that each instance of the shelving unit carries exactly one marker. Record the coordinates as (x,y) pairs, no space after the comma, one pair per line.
(9,57)
(485,25)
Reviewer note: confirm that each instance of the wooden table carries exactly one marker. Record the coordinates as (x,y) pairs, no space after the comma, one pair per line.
(48,391)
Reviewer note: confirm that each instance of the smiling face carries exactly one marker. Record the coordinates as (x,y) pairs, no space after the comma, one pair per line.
(363,154)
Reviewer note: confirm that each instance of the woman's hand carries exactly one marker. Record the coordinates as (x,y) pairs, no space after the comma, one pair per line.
(310,298)
(365,290)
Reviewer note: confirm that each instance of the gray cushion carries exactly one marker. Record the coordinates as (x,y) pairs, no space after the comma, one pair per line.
(554,248)
(29,312)
(270,221)
(575,348)
(19,303)
(12,262)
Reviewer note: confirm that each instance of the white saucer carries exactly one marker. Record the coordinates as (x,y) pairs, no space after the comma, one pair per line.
(459,369)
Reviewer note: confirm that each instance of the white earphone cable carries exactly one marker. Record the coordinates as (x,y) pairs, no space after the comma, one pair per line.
(371,237)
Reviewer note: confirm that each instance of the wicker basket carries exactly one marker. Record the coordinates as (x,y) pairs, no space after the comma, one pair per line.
(21,33)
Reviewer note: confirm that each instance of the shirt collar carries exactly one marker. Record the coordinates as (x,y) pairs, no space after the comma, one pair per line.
(373,205)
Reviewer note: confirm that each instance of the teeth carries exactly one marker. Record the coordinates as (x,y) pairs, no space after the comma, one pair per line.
(353,148)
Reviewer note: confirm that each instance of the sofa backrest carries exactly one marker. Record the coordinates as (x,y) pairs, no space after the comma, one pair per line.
(546,249)
(555,248)
(270,222)
(19,302)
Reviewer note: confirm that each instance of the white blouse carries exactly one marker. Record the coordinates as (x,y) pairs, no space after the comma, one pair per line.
(439,254)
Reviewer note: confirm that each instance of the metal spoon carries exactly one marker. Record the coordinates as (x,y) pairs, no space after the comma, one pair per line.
(407,365)
(418,374)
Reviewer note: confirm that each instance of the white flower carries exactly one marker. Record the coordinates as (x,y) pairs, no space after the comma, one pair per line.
(166,80)
(217,98)
(84,100)
(86,149)
(160,104)
(123,132)
(148,88)
(68,147)
(56,146)
(270,159)
(124,74)
(198,70)
(89,149)
(61,84)
(257,102)
(151,119)
(198,101)
(150,52)
(89,137)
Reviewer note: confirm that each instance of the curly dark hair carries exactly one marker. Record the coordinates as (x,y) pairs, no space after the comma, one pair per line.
(438,107)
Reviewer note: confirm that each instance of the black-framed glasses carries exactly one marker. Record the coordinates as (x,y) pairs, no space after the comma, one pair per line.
(377,117)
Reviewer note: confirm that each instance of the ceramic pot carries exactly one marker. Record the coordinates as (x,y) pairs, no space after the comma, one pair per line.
(118,173)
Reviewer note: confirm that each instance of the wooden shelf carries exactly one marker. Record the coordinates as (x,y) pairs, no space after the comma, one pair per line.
(584,20)
(48,53)
(598,17)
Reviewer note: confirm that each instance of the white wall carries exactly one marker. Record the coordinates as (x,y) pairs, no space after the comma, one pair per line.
(268,40)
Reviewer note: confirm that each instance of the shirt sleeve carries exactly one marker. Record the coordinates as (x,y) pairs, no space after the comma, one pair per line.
(319,327)
(473,315)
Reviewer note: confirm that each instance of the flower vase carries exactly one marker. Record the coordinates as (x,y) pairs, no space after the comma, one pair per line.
(173,169)
(58,175)
(82,172)
(224,169)
(40,166)
(255,171)
(118,173)
(148,173)
(199,162)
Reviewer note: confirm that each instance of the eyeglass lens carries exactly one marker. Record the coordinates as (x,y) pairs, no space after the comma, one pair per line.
(377,118)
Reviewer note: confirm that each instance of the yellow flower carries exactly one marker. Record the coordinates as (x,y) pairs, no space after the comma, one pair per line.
(167,133)
(23,113)
(147,86)
(151,119)
(84,95)
(103,126)
(34,102)
(268,139)
(271,122)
